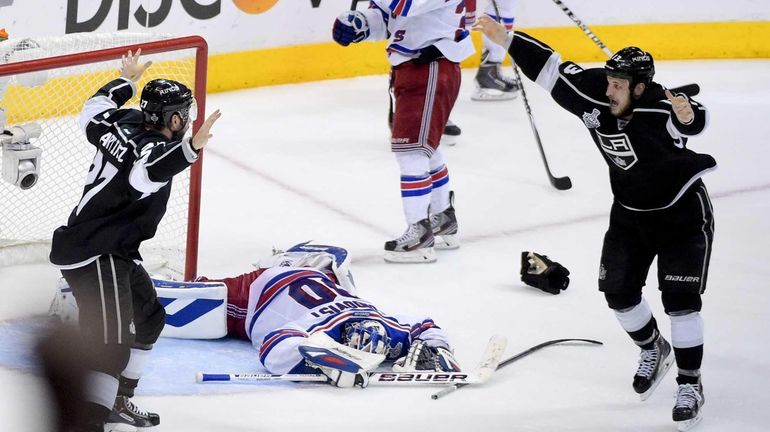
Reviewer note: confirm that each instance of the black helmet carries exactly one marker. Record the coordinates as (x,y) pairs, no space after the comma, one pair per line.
(162,98)
(633,64)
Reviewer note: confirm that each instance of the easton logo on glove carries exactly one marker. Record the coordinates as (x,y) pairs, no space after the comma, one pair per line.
(540,272)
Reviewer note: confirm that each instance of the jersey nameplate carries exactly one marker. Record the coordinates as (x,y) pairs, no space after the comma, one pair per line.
(113,146)
(618,149)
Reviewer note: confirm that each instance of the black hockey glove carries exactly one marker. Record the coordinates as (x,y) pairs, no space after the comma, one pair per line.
(540,272)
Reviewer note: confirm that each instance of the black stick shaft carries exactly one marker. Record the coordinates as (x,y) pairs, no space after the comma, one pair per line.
(518,356)
(560,183)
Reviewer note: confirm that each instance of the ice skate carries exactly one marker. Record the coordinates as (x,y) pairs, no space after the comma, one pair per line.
(127,417)
(414,246)
(491,85)
(444,226)
(451,134)
(653,365)
(687,410)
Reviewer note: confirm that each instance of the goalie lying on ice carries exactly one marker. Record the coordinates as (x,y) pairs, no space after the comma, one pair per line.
(287,305)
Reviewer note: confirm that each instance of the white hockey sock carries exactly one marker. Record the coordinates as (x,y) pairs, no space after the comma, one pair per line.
(416,185)
(101,389)
(439,174)
(686,330)
(634,318)
(136,364)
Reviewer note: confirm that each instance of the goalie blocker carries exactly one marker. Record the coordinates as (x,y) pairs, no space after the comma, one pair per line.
(540,272)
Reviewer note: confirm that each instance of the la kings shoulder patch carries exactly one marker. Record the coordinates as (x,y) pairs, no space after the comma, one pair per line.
(618,149)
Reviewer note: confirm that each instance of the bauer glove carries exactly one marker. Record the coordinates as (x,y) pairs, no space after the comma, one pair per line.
(350,27)
(540,272)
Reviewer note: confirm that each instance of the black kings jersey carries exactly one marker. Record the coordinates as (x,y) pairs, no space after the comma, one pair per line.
(650,166)
(128,183)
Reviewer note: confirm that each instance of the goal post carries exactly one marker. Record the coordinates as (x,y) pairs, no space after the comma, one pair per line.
(46,81)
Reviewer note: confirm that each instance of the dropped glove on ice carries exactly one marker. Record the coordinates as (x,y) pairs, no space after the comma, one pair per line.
(542,273)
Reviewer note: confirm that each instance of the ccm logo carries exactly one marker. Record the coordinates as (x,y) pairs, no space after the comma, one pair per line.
(427,377)
(675,278)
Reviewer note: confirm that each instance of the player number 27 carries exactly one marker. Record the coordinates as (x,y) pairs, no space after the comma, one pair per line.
(102,171)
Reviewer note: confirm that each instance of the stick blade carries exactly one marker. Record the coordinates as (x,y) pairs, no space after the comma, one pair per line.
(561,183)
(492,356)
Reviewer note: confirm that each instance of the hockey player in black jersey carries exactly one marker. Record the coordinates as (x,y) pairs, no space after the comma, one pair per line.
(125,196)
(661,207)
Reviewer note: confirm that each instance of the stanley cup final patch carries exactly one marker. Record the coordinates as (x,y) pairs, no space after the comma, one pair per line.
(618,149)
(591,120)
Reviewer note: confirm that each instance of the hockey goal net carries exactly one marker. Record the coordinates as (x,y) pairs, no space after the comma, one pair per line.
(46,81)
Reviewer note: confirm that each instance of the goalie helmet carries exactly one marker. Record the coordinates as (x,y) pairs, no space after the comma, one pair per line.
(632,64)
(369,335)
(162,98)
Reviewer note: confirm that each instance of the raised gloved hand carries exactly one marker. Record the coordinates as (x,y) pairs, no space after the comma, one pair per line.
(350,27)
(540,272)
(424,357)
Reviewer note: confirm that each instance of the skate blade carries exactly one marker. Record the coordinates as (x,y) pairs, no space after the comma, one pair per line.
(666,366)
(483,95)
(119,427)
(418,256)
(447,242)
(686,425)
(448,140)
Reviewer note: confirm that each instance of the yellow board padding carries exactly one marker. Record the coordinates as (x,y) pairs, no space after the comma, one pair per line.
(64,96)
(231,71)
(330,61)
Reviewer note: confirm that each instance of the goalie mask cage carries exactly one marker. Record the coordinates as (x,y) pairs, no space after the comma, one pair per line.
(46,81)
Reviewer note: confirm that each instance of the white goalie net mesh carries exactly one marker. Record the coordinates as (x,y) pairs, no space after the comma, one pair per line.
(53,98)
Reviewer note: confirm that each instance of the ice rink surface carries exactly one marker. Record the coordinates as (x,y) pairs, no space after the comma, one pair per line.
(312,161)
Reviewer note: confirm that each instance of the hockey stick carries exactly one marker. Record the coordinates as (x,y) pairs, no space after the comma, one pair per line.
(560,183)
(584,27)
(688,89)
(510,360)
(489,363)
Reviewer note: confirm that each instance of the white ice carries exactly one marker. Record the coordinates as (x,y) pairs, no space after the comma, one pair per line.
(312,161)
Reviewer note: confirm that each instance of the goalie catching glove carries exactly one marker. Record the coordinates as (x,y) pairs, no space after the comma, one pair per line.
(429,355)
(540,272)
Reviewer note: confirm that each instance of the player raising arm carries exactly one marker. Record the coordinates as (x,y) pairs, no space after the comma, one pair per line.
(426,42)
(661,206)
(138,152)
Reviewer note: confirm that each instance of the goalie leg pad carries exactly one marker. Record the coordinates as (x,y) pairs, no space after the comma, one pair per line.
(540,272)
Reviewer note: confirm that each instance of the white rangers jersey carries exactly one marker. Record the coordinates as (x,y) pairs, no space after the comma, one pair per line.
(287,304)
(411,25)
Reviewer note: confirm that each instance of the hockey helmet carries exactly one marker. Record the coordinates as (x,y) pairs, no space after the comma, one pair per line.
(162,98)
(368,335)
(632,64)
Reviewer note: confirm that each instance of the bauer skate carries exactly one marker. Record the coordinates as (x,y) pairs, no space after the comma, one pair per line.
(451,133)
(687,409)
(444,226)
(653,365)
(414,246)
(127,417)
(491,85)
